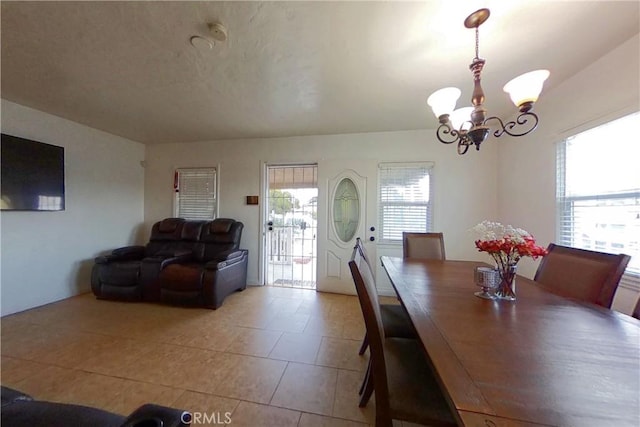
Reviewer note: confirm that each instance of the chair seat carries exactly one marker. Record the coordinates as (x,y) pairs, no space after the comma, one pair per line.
(396,322)
(414,394)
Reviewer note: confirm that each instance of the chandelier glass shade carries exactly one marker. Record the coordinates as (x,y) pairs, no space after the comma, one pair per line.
(468,125)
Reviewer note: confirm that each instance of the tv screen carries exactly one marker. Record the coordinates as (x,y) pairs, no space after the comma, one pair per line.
(32,175)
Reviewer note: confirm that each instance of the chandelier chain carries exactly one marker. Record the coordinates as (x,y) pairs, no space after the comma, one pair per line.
(477,42)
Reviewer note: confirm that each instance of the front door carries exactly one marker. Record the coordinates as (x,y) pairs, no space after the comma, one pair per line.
(290,252)
(348,197)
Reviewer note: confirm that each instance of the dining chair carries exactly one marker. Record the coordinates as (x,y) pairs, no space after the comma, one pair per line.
(395,320)
(405,388)
(423,245)
(581,274)
(395,323)
(636,310)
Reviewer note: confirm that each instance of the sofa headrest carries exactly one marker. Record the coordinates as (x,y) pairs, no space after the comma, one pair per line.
(191,230)
(221,225)
(169,225)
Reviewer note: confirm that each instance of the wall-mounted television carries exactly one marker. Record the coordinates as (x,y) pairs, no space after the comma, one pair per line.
(32,175)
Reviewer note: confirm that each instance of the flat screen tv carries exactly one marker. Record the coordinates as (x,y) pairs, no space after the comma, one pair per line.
(32,175)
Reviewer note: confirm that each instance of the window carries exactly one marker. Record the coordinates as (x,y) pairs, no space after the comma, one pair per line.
(598,192)
(404,199)
(196,195)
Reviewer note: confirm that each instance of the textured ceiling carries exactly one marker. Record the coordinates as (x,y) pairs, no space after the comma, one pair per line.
(287,68)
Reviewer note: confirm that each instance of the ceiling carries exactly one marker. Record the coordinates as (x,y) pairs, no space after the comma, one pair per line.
(287,68)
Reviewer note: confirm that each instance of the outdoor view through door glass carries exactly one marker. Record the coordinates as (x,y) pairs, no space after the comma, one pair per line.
(291,226)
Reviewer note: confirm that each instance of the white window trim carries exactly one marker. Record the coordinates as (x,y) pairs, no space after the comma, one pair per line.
(216,204)
(630,279)
(429,166)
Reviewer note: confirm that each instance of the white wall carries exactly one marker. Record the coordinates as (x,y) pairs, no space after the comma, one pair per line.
(47,256)
(607,89)
(464,185)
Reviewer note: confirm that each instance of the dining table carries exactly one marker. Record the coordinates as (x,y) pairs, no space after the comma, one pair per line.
(539,360)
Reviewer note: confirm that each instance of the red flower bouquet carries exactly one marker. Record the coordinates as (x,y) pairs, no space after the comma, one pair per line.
(506,245)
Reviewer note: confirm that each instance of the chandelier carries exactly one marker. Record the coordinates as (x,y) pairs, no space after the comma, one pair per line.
(468,126)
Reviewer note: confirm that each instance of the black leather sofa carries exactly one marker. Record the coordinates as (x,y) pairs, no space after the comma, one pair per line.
(21,410)
(206,263)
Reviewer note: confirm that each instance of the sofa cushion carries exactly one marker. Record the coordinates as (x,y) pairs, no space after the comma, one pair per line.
(221,225)
(169,225)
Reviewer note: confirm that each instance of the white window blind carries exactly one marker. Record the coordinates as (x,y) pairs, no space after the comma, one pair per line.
(404,199)
(598,192)
(196,193)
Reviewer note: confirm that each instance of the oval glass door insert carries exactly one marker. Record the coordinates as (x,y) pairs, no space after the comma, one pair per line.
(346,210)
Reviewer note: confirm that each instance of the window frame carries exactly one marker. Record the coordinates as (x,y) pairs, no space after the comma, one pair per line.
(214,199)
(568,205)
(424,165)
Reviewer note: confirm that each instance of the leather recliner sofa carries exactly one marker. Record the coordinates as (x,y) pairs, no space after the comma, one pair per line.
(207,249)
(21,410)
(216,269)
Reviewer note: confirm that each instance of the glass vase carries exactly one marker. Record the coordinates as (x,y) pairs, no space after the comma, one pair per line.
(506,289)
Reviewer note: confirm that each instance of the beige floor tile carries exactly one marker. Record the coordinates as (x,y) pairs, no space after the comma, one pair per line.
(313,420)
(307,388)
(289,322)
(15,370)
(327,327)
(31,340)
(75,350)
(354,328)
(202,371)
(256,317)
(301,348)
(206,409)
(217,338)
(347,398)
(341,353)
(285,306)
(252,414)
(87,388)
(134,394)
(118,356)
(253,379)
(122,358)
(254,342)
(50,384)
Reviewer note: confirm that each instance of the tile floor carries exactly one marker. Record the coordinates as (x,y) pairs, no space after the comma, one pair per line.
(269,356)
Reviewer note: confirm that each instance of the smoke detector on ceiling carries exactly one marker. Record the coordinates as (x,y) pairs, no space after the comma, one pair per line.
(200,43)
(218,31)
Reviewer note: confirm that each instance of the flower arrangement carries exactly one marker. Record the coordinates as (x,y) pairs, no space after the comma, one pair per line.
(506,245)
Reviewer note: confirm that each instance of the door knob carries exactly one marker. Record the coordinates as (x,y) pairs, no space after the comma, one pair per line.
(372,228)
(372,238)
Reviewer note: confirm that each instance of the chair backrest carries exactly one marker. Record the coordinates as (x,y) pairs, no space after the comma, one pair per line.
(165,236)
(423,245)
(636,310)
(365,262)
(581,274)
(368,297)
(365,256)
(222,235)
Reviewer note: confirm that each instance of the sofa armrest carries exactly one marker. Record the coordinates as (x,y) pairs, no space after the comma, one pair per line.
(225,259)
(152,415)
(127,253)
(165,258)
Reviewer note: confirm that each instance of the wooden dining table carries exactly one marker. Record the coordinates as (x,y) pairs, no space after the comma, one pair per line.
(539,360)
